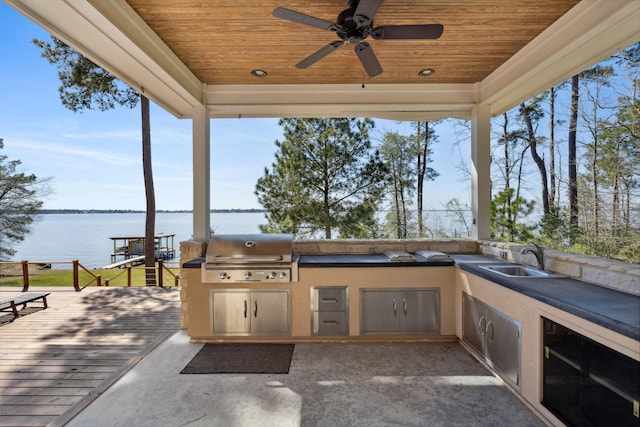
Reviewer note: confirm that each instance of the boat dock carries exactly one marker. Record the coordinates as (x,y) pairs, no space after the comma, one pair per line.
(130,249)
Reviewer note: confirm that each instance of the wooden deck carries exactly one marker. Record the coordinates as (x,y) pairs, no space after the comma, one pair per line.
(53,362)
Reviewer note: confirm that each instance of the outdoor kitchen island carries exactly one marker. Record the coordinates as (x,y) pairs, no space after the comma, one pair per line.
(335,298)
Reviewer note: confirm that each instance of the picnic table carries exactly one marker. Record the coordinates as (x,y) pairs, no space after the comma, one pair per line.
(12,304)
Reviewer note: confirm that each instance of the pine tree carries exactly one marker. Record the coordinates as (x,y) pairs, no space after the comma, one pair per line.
(326,177)
(84,86)
(20,195)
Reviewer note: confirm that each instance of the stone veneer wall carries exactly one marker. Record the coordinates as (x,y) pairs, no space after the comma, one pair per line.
(609,273)
(189,250)
(375,246)
(604,272)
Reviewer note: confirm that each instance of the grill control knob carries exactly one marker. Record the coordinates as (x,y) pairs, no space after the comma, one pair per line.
(247,275)
(283,275)
(224,275)
(271,275)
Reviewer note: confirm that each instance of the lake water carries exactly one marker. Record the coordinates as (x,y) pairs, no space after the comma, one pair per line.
(65,237)
(85,237)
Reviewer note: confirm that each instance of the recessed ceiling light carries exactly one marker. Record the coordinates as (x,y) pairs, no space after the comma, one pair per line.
(259,73)
(426,72)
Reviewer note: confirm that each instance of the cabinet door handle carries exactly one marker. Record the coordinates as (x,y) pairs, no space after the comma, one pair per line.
(395,308)
(255,309)
(245,309)
(490,323)
(481,328)
(404,306)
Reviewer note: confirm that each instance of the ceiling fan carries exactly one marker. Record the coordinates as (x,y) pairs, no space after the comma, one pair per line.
(354,25)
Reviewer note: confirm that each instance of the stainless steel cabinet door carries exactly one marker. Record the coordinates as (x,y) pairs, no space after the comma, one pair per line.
(380,311)
(474,321)
(494,336)
(503,344)
(231,312)
(419,311)
(270,312)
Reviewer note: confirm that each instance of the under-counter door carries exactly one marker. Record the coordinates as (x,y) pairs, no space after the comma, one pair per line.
(474,321)
(270,312)
(419,311)
(231,312)
(381,310)
(502,336)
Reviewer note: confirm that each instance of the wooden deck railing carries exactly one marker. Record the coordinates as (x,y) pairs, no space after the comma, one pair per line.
(88,277)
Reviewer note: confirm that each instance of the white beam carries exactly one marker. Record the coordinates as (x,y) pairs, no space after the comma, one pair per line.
(201,174)
(394,101)
(590,32)
(481,172)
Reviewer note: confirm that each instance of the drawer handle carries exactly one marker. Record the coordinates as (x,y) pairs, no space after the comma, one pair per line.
(481,328)
(490,324)
(329,300)
(329,322)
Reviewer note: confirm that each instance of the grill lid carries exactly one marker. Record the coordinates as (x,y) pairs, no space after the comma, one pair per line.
(250,248)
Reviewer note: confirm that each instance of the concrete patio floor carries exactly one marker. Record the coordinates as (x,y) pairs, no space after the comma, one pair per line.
(412,384)
(113,356)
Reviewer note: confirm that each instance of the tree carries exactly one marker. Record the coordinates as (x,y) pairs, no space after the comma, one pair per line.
(423,138)
(572,160)
(85,85)
(508,206)
(506,209)
(19,202)
(396,153)
(326,177)
(531,113)
(597,78)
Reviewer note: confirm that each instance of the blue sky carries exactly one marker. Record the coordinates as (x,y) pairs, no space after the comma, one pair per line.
(94,158)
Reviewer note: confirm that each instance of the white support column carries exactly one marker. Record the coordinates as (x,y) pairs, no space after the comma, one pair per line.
(481,172)
(201,174)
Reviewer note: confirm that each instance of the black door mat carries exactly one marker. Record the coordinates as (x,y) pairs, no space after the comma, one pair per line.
(238,358)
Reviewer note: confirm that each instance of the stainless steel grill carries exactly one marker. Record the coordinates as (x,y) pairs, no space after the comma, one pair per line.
(250,258)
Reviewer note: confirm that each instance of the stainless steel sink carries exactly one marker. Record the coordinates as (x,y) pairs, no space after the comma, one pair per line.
(515,270)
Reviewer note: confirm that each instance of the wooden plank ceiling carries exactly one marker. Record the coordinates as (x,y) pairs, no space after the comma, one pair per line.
(223,41)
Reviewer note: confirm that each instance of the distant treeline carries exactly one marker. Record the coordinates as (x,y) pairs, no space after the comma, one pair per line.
(117,211)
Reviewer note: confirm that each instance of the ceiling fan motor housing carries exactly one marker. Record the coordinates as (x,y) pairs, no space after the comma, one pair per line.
(348,29)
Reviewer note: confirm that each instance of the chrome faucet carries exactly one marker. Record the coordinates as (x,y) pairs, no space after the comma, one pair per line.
(538,251)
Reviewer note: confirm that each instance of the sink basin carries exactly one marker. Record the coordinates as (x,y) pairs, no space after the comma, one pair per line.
(515,270)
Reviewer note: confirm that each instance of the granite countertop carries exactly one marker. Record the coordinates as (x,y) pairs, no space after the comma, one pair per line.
(615,310)
(323,261)
(353,260)
(193,263)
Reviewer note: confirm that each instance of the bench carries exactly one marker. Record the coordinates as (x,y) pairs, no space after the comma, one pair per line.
(11,304)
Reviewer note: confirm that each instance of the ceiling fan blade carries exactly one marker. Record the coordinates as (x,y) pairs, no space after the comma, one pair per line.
(368,59)
(406,32)
(301,18)
(365,12)
(317,56)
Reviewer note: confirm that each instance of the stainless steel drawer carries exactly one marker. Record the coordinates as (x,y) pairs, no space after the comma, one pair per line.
(329,323)
(329,298)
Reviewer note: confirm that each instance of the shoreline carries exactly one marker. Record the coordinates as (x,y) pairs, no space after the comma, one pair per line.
(128,211)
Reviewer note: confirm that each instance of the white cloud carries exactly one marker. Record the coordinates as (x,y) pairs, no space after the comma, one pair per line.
(100,156)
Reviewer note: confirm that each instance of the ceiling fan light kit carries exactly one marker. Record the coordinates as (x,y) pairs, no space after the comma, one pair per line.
(354,25)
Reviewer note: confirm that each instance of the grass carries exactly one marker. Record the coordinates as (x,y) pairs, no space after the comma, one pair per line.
(116,277)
